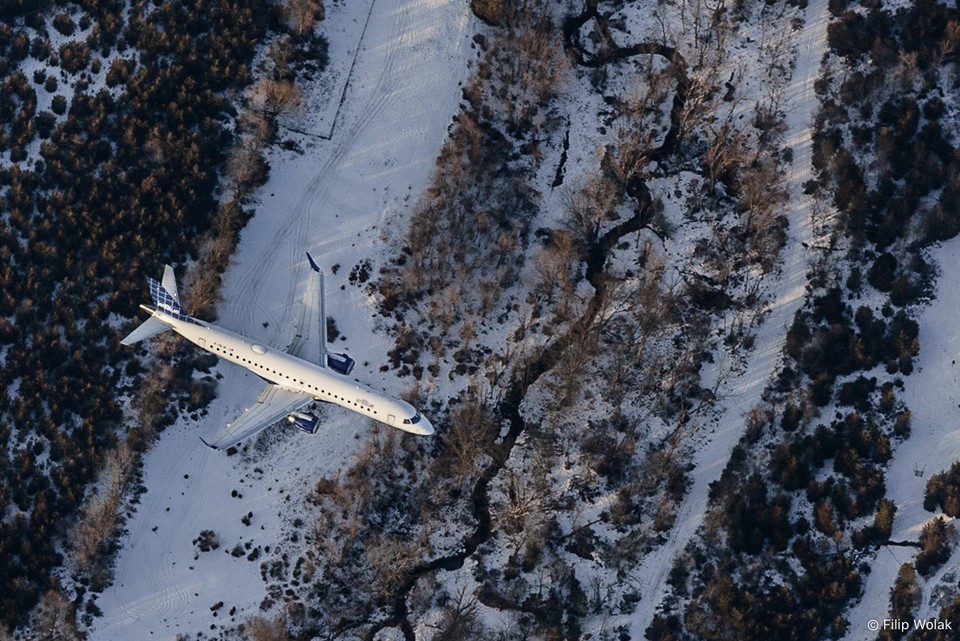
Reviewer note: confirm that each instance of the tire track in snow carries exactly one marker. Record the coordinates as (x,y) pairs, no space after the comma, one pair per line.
(384,90)
(171,592)
(318,191)
(166,592)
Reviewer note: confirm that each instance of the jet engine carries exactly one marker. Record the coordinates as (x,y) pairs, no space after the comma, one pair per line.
(340,363)
(304,422)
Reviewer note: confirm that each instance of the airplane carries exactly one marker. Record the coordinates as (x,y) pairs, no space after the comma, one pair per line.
(303,373)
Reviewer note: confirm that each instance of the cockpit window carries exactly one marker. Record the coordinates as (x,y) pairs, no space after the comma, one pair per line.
(416,418)
(406,421)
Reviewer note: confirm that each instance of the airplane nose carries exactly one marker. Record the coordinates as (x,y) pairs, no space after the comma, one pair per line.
(426,428)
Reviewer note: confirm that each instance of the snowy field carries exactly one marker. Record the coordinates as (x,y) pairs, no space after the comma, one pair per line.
(339,200)
(344,25)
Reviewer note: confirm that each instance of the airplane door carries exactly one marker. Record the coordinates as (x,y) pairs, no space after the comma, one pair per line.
(203,342)
(391,419)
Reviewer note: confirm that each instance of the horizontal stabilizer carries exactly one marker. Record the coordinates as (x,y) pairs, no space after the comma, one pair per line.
(150,327)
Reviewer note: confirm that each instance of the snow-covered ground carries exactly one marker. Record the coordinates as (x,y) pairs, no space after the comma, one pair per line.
(741,389)
(337,200)
(345,198)
(933,395)
(344,25)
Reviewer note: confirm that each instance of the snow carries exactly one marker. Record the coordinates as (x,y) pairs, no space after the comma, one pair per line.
(372,127)
(339,200)
(933,446)
(740,389)
(344,26)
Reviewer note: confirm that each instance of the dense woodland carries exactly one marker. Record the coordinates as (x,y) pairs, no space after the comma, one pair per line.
(119,176)
(888,162)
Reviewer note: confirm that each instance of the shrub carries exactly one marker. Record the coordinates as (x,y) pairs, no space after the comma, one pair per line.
(64,24)
(59,105)
(883,272)
(943,491)
(490,11)
(935,540)
(208,540)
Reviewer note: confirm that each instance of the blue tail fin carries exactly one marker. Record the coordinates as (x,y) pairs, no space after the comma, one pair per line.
(164,294)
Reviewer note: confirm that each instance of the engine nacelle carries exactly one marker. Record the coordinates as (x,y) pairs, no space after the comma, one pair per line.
(340,363)
(304,422)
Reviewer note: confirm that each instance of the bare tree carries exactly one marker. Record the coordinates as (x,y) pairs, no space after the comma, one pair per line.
(907,69)
(55,619)
(760,195)
(725,150)
(775,48)
(468,442)
(302,15)
(270,98)
(245,166)
(530,61)
(555,267)
(459,621)
(280,52)
(588,207)
(390,559)
(950,42)
(98,520)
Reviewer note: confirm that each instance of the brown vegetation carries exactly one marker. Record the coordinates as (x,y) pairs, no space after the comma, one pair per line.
(490,11)
(264,629)
(473,223)
(302,15)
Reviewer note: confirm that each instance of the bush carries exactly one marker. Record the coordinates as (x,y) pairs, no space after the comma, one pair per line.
(943,492)
(74,57)
(490,11)
(208,540)
(792,414)
(64,24)
(935,543)
(883,272)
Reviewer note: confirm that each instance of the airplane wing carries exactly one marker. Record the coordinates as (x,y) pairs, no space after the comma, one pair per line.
(310,333)
(274,403)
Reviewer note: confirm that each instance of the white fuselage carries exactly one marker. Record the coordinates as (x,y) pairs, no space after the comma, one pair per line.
(295,373)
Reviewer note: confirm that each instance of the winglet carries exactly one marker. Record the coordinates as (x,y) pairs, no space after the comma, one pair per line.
(312,263)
